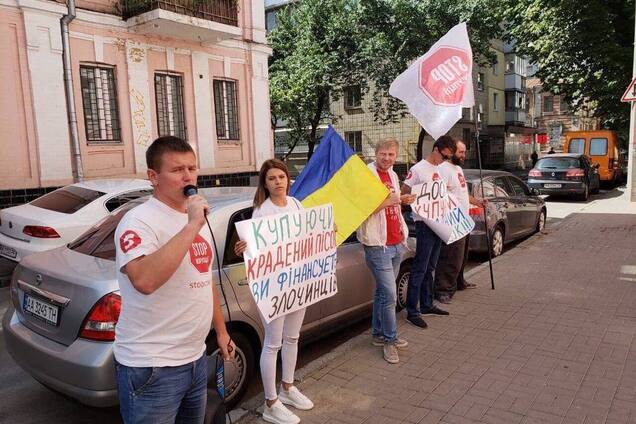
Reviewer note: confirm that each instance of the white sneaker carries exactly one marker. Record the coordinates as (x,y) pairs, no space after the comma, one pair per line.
(294,398)
(279,414)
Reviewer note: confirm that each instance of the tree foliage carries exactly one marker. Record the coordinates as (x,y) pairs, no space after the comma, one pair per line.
(400,31)
(315,53)
(583,48)
(322,46)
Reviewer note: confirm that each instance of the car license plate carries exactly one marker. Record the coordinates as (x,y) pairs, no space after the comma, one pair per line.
(7,251)
(552,185)
(41,309)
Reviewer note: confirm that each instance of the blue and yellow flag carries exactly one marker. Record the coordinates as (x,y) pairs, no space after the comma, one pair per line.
(335,174)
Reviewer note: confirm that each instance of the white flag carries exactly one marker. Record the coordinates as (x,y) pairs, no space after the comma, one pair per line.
(437,85)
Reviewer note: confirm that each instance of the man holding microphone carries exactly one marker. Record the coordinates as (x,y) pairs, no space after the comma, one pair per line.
(164,259)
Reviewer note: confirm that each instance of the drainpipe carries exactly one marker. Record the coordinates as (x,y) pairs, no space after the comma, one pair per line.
(68,88)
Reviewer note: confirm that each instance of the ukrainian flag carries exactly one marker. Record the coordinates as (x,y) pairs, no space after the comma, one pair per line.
(335,174)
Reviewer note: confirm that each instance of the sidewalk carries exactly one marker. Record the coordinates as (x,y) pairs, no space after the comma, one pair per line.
(554,343)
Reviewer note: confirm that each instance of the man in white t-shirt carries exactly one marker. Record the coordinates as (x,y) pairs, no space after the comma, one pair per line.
(164,260)
(449,274)
(420,291)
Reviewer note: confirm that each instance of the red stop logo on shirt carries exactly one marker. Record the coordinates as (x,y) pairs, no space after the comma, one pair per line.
(462,181)
(129,240)
(201,254)
(443,75)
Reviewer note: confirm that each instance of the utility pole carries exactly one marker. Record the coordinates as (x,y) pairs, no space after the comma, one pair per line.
(631,149)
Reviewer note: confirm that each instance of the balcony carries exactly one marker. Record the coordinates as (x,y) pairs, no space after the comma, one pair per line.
(195,20)
(516,117)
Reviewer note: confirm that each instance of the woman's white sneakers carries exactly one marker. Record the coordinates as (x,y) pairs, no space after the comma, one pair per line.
(279,414)
(294,398)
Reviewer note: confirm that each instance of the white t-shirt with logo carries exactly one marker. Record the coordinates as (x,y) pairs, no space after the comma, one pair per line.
(269,208)
(419,173)
(167,327)
(456,184)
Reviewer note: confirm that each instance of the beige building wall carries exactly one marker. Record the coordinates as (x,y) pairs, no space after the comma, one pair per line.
(33,108)
(496,88)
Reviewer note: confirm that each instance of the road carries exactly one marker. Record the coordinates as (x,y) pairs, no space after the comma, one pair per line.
(24,400)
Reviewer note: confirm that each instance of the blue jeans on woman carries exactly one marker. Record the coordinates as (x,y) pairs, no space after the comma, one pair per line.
(161,395)
(420,289)
(384,263)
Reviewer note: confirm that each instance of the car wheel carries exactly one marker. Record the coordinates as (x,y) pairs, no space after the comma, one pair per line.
(541,222)
(402,283)
(238,373)
(496,242)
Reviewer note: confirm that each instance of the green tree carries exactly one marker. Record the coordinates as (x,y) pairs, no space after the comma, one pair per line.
(315,53)
(400,31)
(583,48)
(322,46)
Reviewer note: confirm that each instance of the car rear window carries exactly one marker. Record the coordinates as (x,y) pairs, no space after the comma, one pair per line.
(598,147)
(577,145)
(99,240)
(67,199)
(558,163)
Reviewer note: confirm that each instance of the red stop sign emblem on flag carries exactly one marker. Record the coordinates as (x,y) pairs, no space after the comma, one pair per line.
(443,75)
(201,254)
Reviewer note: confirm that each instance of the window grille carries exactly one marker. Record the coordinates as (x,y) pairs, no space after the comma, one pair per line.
(99,100)
(169,99)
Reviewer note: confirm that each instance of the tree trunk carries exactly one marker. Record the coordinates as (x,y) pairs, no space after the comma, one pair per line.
(420,145)
(314,124)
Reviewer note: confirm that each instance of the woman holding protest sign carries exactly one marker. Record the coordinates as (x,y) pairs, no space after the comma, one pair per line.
(283,332)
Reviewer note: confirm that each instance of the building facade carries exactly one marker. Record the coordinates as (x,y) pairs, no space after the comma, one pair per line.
(552,116)
(140,69)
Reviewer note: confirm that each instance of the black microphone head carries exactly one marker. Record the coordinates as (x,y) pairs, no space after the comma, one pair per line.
(190,190)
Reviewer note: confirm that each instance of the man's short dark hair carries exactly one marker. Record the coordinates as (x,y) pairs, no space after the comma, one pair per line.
(163,145)
(446,142)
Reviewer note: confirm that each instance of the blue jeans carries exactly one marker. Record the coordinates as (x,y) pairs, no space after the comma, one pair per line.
(420,288)
(163,394)
(384,263)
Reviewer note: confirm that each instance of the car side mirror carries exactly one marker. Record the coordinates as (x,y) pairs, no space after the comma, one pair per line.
(535,192)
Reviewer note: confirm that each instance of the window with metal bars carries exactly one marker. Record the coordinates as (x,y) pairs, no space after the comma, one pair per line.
(226,110)
(99,100)
(169,99)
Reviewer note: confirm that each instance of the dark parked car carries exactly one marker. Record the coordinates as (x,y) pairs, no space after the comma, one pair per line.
(565,174)
(514,210)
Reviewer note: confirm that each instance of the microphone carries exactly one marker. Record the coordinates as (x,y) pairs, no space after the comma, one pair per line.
(190,190)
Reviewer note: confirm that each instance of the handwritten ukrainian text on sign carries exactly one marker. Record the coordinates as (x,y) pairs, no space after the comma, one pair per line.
(441,211)
(290,259)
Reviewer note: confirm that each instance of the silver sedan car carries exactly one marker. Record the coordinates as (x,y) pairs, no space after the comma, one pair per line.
(66,304)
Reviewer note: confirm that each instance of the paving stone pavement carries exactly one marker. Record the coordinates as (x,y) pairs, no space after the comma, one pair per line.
(554,343)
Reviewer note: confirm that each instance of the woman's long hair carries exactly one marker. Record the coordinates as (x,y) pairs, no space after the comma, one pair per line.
(261,191)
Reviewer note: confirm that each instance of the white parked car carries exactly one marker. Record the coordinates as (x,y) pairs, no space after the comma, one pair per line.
(60,216)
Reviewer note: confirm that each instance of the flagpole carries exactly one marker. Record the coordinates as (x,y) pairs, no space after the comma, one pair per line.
(481,183)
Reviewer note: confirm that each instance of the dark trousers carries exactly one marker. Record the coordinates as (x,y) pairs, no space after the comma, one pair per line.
(461,281)
(420,288)
(451,259)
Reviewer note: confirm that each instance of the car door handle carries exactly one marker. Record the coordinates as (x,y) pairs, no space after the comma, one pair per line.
(243,282)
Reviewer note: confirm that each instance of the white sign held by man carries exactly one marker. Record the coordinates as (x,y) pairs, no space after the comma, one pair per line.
(441,211)
(439,84)
(290,260)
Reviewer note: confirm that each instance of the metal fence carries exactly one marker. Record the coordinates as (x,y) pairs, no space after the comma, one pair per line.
(222,11)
